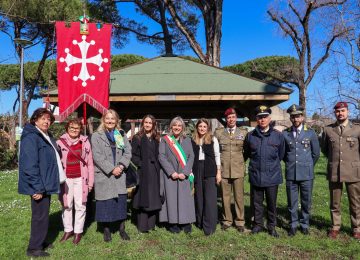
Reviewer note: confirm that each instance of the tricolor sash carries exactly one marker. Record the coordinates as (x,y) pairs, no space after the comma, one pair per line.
(176,148)
(180,155)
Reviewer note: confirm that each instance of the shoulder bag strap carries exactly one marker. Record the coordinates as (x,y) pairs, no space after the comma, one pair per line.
(76,155)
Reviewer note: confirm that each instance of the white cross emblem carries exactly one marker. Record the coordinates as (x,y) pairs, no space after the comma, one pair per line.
(70,60)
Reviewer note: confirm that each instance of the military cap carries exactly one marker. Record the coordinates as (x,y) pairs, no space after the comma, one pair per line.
(295,110)
(340,104)
(262,110)
(229,111)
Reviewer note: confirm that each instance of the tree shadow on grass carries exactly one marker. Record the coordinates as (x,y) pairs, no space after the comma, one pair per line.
(321,173)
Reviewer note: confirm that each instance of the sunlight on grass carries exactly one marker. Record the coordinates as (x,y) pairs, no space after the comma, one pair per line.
(160,244)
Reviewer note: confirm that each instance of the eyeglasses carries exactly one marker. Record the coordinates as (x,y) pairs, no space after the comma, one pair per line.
(74,129)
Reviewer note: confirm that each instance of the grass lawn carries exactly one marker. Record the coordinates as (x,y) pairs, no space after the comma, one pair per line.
(15,226)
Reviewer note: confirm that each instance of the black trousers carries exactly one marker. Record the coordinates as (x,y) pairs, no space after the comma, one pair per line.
(205,201)
(257,199)
(146,220)
(39,222)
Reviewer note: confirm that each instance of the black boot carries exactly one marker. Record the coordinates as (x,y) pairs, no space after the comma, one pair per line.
(107,233)
(123,234)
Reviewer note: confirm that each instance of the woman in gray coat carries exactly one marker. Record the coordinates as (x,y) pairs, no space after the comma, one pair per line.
(112,154)
(176,158)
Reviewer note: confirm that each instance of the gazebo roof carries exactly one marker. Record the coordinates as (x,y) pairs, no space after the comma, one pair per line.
(174,75)
(170,86)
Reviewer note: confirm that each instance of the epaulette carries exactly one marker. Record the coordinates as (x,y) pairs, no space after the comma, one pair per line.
(288,129)
(244,128)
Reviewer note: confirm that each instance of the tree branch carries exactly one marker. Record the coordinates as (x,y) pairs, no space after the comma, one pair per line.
(289,31)
(189,36)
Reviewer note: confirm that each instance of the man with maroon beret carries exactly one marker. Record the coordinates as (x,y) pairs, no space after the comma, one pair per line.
(231,140)
(340,144)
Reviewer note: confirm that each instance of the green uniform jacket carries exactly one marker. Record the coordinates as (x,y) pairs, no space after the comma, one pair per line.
(343,152)
(231,150)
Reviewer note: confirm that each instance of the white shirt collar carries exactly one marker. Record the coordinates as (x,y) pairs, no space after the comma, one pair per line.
(295,129)
(232,128)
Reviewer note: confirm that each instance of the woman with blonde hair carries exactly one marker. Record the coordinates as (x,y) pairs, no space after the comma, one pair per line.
(112,154)
(176,158)
(207,172)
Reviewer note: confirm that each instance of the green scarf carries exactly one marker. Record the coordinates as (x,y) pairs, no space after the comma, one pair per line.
(119,139)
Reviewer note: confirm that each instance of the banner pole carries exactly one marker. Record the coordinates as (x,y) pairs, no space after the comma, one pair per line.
(84,116)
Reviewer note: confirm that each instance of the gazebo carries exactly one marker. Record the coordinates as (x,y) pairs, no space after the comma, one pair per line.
(170,86)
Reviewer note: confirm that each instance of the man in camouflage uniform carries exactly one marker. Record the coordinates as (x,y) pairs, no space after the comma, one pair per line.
(231,140)
(340,144)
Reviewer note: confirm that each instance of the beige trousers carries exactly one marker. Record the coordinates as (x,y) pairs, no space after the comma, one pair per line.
(237,186)
(353,191)
(74,196)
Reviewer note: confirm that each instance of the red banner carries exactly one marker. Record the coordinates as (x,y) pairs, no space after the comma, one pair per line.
(83,67)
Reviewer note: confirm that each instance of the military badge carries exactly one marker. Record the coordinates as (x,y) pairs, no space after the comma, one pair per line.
(263,108)
(239,137)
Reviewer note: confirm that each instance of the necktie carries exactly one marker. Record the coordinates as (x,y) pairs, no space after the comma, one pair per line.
(231,131)
(342,129)
(297,133)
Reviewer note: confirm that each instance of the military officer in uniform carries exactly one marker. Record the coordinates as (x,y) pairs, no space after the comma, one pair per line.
(265,148)
(302,150)
(340,144)
(231,140)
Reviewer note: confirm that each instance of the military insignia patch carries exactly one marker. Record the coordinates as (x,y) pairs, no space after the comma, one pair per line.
(239,137)
(262,108)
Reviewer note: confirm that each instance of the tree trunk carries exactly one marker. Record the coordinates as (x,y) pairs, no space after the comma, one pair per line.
(165,29)
(302,96)
(212,15)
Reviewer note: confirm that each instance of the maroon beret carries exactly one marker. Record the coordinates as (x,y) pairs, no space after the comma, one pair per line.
(229,111)
(340,105)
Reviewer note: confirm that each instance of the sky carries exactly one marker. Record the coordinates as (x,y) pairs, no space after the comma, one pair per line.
(247,33)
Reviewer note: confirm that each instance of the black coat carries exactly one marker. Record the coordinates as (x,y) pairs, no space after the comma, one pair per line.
(145,154)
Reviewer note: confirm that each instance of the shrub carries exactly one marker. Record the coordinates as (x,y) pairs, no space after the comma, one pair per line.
(8,157)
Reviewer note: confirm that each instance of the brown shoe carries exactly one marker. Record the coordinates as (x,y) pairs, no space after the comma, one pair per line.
(240,229)
(66,236)
(356,235)
(333,233)
(77,238)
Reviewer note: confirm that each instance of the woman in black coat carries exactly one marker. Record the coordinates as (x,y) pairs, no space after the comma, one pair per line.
(145,150)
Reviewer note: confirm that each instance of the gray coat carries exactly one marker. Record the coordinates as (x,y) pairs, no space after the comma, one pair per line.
(178,207)
(107,186)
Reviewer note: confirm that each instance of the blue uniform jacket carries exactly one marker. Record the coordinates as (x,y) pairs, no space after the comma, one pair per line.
(38,169)
(301,154)
(265,152)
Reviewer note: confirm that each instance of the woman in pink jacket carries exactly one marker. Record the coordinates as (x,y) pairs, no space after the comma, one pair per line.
(78,164)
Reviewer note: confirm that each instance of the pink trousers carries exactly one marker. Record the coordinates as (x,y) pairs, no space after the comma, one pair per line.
(74,196)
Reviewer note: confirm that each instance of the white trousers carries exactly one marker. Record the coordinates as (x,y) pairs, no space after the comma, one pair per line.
(74,196)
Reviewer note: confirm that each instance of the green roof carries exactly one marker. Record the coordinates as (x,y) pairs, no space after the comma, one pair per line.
(174,75)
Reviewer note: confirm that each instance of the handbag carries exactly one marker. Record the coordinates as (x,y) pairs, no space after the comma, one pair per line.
(132,176)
